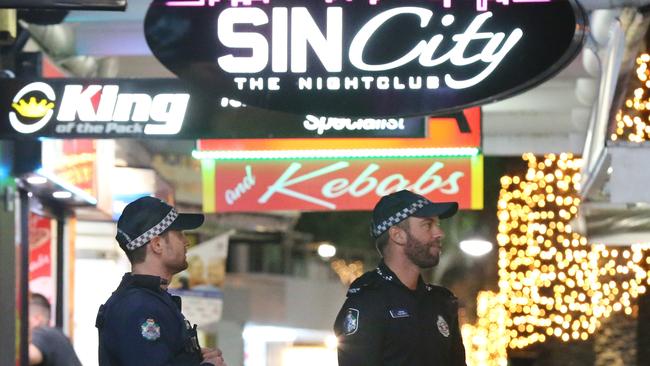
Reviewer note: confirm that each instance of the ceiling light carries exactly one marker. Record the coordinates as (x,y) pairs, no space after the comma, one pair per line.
(326,250)
(476,247)
(36,180)
(62,195)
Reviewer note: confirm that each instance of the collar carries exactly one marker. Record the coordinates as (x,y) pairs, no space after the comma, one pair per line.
(388,275)
(146,281)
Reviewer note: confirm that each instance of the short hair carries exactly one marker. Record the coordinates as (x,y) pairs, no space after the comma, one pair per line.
(40,303)
(382,240)
(139,254)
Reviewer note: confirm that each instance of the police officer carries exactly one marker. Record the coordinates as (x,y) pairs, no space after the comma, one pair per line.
(391,317)
(141,323)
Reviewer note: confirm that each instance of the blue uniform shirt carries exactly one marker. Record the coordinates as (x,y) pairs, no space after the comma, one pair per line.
(384,323)
(142,324)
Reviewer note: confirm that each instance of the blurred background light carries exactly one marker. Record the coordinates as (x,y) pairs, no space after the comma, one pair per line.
(326,250)
(476,247)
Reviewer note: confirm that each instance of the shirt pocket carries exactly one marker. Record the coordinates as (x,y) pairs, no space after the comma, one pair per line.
(402,330)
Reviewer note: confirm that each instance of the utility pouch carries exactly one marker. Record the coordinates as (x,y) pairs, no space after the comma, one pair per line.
(192,345)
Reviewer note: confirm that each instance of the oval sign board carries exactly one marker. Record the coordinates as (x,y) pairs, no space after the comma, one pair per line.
(365,57)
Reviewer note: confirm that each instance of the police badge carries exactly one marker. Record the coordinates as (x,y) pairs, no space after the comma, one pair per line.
(150,330)
(443,328)
(351,322)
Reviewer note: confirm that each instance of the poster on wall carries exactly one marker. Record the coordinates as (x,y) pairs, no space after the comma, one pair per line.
(200,285)
(73,162)
(42,256)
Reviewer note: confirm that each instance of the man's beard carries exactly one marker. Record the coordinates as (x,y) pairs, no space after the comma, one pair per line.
(180,267)
(419,253)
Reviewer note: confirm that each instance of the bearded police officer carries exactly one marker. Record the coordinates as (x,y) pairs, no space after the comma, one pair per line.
(391,317)
(141,324)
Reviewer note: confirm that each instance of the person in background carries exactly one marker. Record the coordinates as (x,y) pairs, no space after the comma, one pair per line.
(48,346)
(391,317)
(141,324)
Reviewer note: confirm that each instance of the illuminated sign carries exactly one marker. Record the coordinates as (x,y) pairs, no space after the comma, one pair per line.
(365,58)
(86,108)
(253,123)
(455,135)
(77,108)
(65,4)
(337,184)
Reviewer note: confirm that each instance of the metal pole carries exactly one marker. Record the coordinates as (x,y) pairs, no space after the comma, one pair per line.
(8,317)
(61,271)
(23,279)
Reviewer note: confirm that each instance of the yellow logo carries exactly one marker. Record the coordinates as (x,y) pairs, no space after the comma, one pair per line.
(33,109)
(41,110)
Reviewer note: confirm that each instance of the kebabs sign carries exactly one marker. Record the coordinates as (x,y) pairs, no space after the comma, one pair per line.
(359,58)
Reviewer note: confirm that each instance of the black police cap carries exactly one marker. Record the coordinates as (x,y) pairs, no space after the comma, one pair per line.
(148,217)
(397,207)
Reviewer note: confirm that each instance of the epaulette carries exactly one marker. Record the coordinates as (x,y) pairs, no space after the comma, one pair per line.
(446,294)
(367,281)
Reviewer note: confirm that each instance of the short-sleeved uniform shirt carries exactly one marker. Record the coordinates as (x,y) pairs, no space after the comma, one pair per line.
(142,324)
(384,323)
(55,347)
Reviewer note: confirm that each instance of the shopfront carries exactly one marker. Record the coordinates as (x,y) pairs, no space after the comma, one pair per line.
(293,112)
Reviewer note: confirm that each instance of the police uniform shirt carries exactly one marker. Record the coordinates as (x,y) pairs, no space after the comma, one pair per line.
(142,324)
(384,323)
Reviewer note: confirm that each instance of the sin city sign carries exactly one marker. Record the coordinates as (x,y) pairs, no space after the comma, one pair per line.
(365,58)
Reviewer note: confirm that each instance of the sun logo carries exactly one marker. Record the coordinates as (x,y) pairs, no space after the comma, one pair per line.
(33,109)
(32,116)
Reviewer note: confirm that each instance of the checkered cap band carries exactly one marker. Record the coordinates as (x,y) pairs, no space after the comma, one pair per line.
(399,216)
(158,229)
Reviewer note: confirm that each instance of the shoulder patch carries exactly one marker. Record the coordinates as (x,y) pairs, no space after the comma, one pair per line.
(443,327)
(351,321)
(150,330)
(366,281)
(439,290)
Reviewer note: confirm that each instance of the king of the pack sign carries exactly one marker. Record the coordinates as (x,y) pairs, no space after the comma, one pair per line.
(365,57)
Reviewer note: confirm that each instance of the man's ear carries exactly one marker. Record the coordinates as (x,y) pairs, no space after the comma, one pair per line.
(397,234)
(155,245)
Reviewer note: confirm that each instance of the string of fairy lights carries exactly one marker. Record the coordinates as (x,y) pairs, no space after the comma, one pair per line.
(633,120)
(552,282)
(486,343)
(544,267)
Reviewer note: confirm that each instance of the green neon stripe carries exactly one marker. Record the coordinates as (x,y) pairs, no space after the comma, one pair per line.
(477,183)
(208,173)
(335,154)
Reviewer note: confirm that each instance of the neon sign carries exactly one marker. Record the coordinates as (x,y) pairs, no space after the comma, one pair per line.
(93,108)
(451,136)
(365,59)
(77,108)
(337,184)
(481,5)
